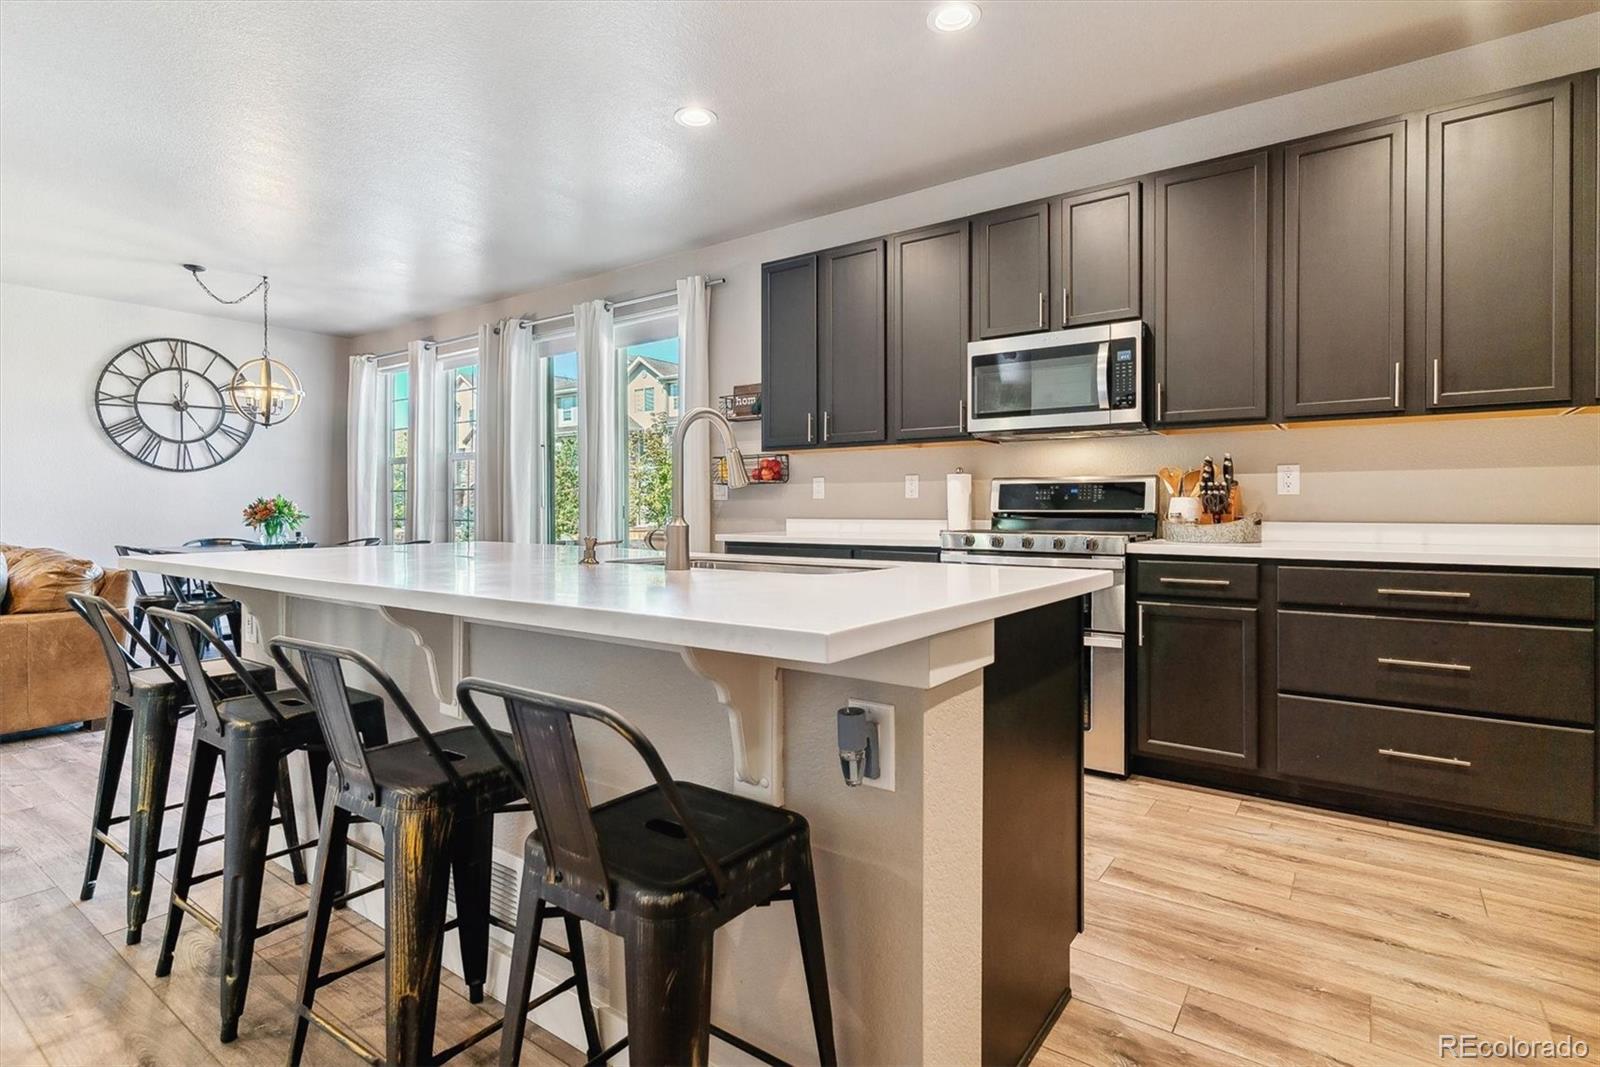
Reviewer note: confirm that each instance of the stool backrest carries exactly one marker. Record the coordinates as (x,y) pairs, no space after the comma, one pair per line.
(100,614)
(541,726)
(368,541)
(218,542)
(186,632)
(138,580)
(322,682)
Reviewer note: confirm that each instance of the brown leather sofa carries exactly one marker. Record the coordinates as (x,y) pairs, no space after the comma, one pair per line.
(52,667)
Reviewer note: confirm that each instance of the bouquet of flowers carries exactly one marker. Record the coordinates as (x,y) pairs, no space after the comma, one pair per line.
(275,516)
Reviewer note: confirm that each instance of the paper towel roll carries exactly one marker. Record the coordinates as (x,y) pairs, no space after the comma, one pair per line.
(958,500)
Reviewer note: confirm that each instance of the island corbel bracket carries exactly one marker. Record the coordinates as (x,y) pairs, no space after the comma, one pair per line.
(750,690)
(442,639)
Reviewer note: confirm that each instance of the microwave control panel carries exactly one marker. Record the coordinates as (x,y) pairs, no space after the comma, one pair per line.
(1124,387)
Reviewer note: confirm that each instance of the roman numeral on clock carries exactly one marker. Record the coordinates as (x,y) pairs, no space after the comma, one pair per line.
(124,431)
(150,449)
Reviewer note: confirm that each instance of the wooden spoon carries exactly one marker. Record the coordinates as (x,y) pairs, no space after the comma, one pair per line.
(1171,480)
(1191,484)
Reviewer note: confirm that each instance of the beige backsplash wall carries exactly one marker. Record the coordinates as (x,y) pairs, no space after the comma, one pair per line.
(1542,469)
(1516,469)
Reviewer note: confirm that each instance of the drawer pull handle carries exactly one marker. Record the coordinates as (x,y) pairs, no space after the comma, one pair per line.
(1447,761)
(1447,593)
(1460,668)
(1195,581)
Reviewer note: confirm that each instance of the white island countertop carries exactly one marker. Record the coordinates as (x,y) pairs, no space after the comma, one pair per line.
(1574,547)
(884,533)
(814,618)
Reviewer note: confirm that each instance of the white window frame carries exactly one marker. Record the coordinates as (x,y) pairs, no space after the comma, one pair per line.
(452,357)
(550,342)
(655,321)
(387,367)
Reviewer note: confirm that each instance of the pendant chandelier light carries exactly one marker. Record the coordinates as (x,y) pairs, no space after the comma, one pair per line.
(265,390)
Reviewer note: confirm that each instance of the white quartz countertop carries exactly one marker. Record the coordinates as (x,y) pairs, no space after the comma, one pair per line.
(1575,547)
(815,618)
(889,533)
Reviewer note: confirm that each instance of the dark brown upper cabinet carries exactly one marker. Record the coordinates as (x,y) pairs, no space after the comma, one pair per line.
(851,343)
(1011,271)
(928,332)
(1499,268)
(1197,683)
(1344,267)
(1097,254)
(1208,262)
(789,353)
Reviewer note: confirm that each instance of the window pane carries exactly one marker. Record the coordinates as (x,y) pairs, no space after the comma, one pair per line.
(397,391)
(561,478)
(650,371)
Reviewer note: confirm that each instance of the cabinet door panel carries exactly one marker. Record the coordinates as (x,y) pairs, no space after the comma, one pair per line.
(851,348)
(1197,683)
(1499,246)
(1010,271)
(1344,272)
(1098,257)
(1210,291)
(789,353)
(928,302)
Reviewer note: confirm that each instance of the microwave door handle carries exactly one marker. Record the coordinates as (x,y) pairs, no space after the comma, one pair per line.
(1102,374)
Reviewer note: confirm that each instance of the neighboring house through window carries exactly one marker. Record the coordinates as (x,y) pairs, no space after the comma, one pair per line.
(459,365)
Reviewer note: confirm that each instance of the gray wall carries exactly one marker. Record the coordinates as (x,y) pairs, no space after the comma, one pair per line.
(1542,469)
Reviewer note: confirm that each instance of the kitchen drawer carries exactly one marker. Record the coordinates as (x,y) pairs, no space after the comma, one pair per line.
(1516,670)
(1532,596)
(1538,772)
(1197,581)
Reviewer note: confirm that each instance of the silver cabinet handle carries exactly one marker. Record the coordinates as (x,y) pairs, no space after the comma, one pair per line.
(827,424)
(1435,381)
(1447,593)
(1397,383)
(810,428)
(1141,625)
(1160,394)
(1446,761)
(1195,581)
(1423,664)
(961,414)
(1041,311)
(1063,305)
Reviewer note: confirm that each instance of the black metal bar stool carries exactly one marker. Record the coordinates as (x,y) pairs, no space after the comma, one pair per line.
(253,735)
(147,703)
(197,598)
(435,796)
(662,867)
(367,542)
(144,599)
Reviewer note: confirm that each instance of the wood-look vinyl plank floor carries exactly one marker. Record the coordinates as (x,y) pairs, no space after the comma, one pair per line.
(1220,929)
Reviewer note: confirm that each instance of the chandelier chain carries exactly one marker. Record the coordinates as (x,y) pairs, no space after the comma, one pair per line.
(263,287)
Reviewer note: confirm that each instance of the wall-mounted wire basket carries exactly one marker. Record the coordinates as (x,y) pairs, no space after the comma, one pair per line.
(764,468)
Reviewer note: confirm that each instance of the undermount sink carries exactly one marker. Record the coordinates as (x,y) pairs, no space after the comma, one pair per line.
(785,567)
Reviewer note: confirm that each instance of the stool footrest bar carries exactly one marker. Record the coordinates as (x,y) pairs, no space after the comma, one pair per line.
(201,915)
(608,1053)
(747,1048)
(112,843)
(343,1036)
(329,977)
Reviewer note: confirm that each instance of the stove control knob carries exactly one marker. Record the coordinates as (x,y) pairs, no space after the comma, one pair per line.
(997,542)
(1027,542)
(968,541)
(1091,544)
(1059,544)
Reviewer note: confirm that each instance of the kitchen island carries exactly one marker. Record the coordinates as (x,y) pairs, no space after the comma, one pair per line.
(950,888)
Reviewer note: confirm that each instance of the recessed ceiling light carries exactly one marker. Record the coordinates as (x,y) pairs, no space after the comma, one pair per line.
(954,17)
(694,116)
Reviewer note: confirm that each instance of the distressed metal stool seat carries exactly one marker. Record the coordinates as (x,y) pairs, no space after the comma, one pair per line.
(434,796)
(662,867)
(252,735)
(146,702)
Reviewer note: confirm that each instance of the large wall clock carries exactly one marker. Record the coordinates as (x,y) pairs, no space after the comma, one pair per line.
(165,402)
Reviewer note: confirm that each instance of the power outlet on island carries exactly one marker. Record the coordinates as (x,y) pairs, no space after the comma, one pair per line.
(913,487)
(819,489)
(1288,479)
(883,715)
(252,629)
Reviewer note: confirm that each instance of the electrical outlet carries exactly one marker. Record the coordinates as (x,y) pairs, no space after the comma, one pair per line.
(719,492)
(913,487)
(1288,479)
(883,715)
(819,489)
(252,629)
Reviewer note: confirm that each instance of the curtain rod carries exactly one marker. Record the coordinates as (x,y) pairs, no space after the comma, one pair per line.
(710,283)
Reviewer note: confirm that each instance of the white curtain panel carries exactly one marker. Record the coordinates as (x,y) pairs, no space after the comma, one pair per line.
(364,451)
(694,376)
(520,418)
(490,436)
(599,428)
(429,514)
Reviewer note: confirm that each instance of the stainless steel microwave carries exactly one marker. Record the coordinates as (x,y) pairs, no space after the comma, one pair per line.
(1081,382)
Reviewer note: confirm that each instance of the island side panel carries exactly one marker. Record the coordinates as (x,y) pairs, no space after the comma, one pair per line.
(1032,826)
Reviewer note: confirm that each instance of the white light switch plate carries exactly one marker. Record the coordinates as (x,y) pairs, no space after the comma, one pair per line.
(819,489)
(719,492)
(883,715)
(913,487)
(1288,479)
(252,629)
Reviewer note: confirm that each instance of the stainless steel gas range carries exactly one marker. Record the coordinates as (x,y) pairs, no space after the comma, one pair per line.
(1084,523)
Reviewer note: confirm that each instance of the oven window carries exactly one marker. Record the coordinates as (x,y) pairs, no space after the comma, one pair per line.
(1037,382)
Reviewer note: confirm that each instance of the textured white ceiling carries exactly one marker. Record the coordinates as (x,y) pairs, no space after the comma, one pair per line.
(386,161)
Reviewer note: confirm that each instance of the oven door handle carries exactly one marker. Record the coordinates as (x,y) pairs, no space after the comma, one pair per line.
(1102,374)
(1102,640)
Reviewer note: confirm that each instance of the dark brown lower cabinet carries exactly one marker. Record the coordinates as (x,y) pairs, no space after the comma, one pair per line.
(1464,698)
(1197,682)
